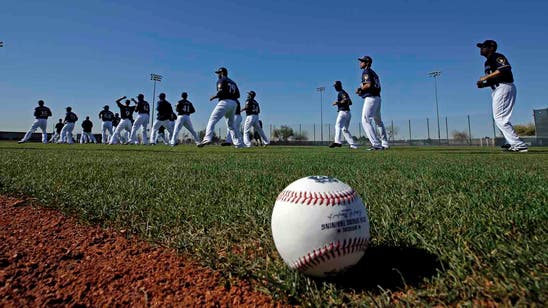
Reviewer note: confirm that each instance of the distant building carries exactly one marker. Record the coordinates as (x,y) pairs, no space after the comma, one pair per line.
(541,122)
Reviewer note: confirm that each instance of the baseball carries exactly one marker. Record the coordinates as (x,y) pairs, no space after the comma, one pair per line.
(320,226)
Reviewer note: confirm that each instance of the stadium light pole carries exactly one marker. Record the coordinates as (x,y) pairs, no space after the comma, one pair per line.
(436,74)
(1,44)
(321,89)
(154,77)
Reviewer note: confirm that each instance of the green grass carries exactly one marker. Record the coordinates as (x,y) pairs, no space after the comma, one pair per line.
(448,225)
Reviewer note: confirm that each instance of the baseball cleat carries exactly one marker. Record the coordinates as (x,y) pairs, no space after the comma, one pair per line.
(225,144)
(335,145)
(353,147)
(203,143)
(375,149)
(20,141)
(505,146)
(519,149)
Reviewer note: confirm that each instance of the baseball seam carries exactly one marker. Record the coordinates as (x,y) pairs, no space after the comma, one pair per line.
(318,198)
(330,251)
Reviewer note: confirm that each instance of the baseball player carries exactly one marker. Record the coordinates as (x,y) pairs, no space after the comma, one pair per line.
(370,91)
(66,132)
(143,117)
(57,134)
(499,77)
(343,103)
(163,117)
(126,115)
(41,114)
(87,136)
(237,124)
(161,136)
(252,111)
(227,94)
(106,117)
(256,135)
(184,110)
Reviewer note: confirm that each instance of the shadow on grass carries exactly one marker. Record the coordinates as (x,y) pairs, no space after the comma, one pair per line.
(390,268)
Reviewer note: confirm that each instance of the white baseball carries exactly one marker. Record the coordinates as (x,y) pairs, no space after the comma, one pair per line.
(320,226)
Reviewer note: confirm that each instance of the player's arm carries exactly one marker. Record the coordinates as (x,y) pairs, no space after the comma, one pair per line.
(49,113)
(118,101)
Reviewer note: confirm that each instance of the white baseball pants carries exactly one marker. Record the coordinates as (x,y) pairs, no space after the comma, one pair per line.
(38,123)
(66,133)
(156,127)
(123,127)
(87,138)
(183,120)
(224,108)
(341,127)
(253,121)
(141,121)
(504,98)
(372,112)
(106,126)
(237,125)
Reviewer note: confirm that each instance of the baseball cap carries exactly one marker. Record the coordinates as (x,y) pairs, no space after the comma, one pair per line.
(251,93)
(366,59)
(221,70)
(487,43)
(337,83)
(105,106)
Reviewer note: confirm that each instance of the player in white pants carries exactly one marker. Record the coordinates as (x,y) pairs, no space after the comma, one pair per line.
(227,94)
(87,135)
(237,125)
(57,133)
(143,118)
(498,76)
(252,111)
(184,110)
(66,132)
(124,127)
(370,91)
(41,114)
(163,117)
(343,103)
(106,117)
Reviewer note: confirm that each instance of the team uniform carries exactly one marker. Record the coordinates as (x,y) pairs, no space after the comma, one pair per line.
(252,120)
(372,110)
(87,136)
(161,135)
(237,123)
(143,118)
(256,135)
(106,117)
(124,127)
(503,98)
(163,117)
(41,114)
(343,119)
(227,94)
(66,132)
(184,109)
(57,134)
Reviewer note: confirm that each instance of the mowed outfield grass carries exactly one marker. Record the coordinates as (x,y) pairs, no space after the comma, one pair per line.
(449,225)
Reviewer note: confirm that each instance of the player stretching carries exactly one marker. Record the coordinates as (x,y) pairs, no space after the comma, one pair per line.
(163,117)
(41,113)
(87,136)
(237,124)
(370,91)
(499,77)
(143,117)
(343,103)
(252,111)
(126,114)
(66,132)
(184,110)
(57,133)
(227,94)
(106,117)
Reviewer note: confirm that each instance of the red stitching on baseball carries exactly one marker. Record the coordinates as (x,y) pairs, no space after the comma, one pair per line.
(320,255)
(315,198)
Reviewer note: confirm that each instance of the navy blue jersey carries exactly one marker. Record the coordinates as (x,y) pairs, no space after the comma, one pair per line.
(143,107)
(71,117)
(59,127)
(106,115)
(116,121)
(343,101)
(87,125)
(252,107)
(498,62)
(238,108)
(126,112)
(164,110)
(369,76)
(227,89)
(42,112)
(185,107)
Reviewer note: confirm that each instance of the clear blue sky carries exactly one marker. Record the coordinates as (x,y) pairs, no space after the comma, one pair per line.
(87,53)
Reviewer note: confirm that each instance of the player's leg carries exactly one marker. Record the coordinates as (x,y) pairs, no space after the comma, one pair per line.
(70,129)
(187,123)
(31,131)
(346,132)
(176,130)
(115,139)
(217,113)
(338,127)
(380,124)
(504,98)
(368,112)
(260,130)
(146,119)
(247,129)
(154,134)
(134,128)
(229,115)
(43,126)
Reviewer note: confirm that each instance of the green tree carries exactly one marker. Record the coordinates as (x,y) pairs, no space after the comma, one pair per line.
(525,130)
(460,136)
(283,133)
